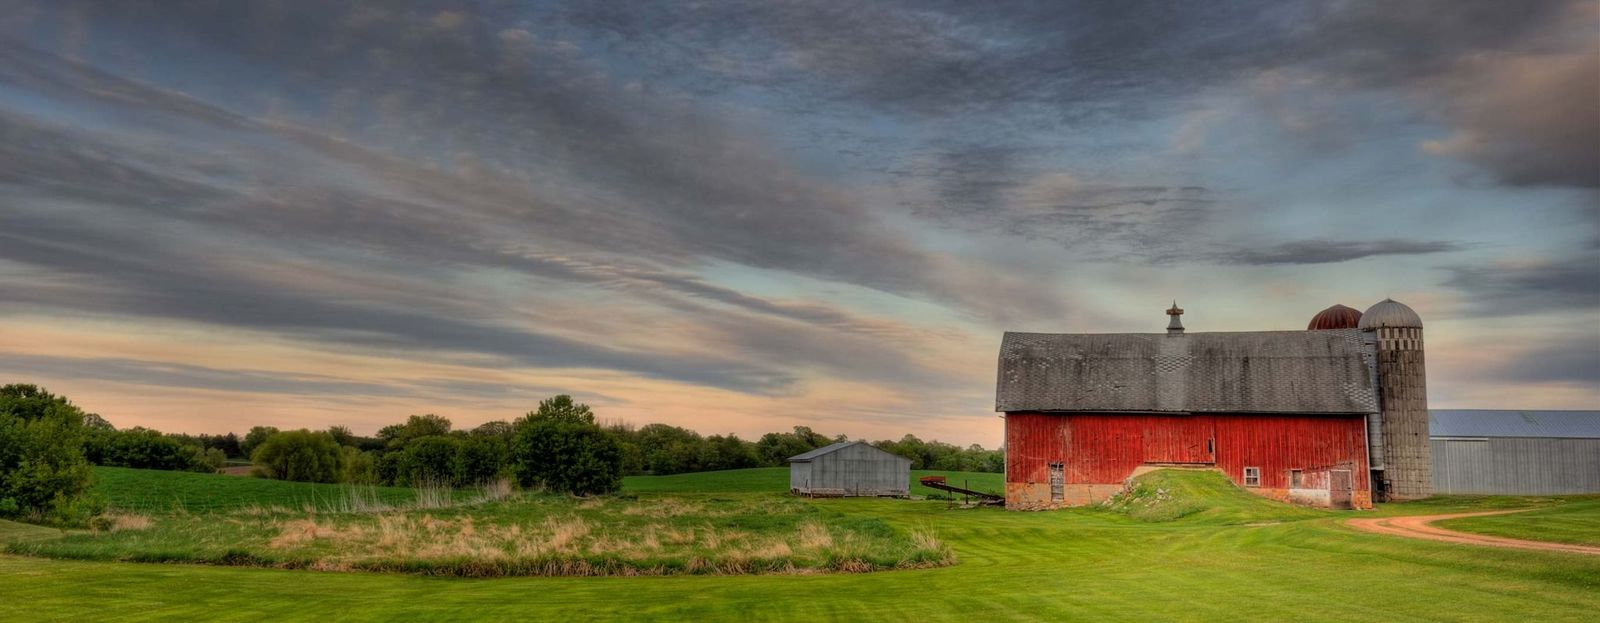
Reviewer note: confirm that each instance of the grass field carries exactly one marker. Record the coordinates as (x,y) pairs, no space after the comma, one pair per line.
(1235,558)
(1576,521)
(770,479)
(146,491)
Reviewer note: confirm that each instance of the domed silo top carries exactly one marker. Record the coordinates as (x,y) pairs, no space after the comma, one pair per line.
(1390,313)
(1336,317)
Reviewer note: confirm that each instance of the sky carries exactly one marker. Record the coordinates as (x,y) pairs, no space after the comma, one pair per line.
(746,216)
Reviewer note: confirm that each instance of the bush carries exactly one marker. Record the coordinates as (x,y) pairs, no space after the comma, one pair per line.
(428,460)
(300,455)
(145,449)
(43,474)
(561,448)
(255,438)
(359,468)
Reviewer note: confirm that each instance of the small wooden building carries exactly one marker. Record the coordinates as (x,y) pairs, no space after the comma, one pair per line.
(849,468)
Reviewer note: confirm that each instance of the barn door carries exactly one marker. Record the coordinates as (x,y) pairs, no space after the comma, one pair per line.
(1180,439)
(1339,488)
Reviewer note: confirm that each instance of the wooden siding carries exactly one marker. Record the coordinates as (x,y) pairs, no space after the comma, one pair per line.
(1105,448)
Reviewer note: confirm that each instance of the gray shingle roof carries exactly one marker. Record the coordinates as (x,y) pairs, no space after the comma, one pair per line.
(1246,372)
(1498,423)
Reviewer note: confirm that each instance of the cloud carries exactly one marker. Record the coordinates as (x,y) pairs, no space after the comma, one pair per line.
(1530,286)
(1515,83)
(1331,251)
(1575,360)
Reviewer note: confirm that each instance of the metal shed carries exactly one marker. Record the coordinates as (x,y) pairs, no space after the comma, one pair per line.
(1515,452)
(849,468)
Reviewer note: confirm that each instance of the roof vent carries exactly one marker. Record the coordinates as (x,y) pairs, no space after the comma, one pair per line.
(1175,326)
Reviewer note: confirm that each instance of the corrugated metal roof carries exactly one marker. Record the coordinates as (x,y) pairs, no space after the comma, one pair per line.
(806,456)
(1502,423)
(1259,371)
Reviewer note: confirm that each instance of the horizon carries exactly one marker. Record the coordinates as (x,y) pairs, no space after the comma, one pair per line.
(740,218)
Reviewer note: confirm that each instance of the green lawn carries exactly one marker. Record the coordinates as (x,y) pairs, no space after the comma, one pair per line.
(1234,559)
(1576,521)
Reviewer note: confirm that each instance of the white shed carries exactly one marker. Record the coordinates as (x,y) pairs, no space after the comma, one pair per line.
(849,468)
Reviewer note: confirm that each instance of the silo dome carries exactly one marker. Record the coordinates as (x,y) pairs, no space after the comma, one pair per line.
(1390,313)
(1336,317)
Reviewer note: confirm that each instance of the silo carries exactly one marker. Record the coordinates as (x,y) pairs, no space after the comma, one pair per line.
(1403,394)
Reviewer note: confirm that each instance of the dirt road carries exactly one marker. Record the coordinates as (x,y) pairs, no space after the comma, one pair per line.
(1418,527)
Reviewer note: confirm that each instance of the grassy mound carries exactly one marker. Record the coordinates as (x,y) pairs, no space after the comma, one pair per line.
(1201,496)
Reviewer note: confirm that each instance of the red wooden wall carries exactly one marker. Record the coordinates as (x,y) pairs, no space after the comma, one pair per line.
(1104,448)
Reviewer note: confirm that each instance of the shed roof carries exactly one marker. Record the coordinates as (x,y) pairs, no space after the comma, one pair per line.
(1503,423)
(1244,372)
(807,456)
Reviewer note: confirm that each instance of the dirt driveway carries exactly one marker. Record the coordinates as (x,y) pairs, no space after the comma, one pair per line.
(1418,527)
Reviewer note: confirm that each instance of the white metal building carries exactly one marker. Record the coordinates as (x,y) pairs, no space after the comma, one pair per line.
(1515,452)
(849,468)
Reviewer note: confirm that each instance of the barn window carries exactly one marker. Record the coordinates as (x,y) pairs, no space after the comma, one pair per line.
(1252,476)
(1294,478)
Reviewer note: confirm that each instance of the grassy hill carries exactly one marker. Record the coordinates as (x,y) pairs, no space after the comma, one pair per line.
(1236,558)
(1202,496)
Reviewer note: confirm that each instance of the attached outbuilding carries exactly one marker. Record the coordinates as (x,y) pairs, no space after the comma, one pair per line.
(1515,452)
(849,468)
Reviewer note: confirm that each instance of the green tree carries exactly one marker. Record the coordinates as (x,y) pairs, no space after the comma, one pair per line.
(428,460)
(144,448)
(560,447)
(301,455)
(253,439)
(415,427)
(43,474)
(342,434)
(358,467)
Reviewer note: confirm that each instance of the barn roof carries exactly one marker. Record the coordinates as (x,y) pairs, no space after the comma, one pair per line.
(1245,372)
(1499,423)
(807,456)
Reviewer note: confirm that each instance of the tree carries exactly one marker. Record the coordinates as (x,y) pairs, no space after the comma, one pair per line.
(342,435)
(428,461)
(300,455)
(43,474)
(253,439)
(144,448)
(774,449)
(497,428)
(358,467)
(560,447)
(480,460)
(416,427)
(728,452)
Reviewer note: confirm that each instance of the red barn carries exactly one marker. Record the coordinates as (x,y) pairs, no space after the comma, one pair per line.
(1284,414)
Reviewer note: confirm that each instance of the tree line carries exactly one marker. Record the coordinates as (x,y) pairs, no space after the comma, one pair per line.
(47,444)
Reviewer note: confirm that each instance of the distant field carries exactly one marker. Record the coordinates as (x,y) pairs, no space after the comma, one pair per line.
(776,480)
(1577,521)
(1204,551)
(145,490)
